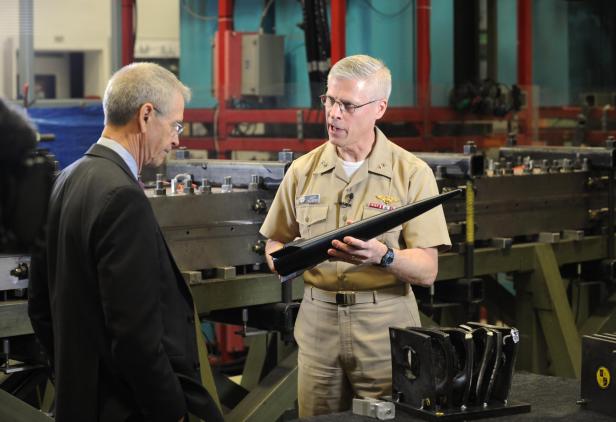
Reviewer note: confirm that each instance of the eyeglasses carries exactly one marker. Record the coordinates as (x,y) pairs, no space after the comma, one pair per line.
(177,126)
(329,101)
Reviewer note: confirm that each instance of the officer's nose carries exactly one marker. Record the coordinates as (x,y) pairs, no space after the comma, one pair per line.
(336,111)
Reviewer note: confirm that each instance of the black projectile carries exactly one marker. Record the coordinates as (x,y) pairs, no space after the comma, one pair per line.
(301,254)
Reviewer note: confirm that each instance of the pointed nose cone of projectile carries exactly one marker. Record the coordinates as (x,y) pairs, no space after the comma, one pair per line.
(302,254)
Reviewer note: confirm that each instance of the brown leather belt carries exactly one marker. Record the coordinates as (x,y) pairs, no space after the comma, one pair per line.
(348,297)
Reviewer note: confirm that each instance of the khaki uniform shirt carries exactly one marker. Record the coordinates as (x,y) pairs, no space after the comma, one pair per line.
(314,198)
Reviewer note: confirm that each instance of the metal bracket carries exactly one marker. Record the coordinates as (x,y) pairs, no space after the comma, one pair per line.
(547,237)
(573,234)
(504,243)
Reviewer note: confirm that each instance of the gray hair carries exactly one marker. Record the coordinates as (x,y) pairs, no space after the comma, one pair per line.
(363,67)
(138,83)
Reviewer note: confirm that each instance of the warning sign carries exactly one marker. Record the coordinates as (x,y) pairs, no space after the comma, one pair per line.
(603,377)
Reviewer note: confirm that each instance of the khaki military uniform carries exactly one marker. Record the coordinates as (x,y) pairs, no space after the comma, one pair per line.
(346,348)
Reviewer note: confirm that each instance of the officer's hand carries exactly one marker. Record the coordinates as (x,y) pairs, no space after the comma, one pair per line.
(272,246)
(356,251)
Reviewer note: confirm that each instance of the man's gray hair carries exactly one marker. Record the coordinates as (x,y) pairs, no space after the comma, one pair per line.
(363,67)
(138,83)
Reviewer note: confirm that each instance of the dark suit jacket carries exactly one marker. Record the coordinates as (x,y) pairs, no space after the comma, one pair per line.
(108,302)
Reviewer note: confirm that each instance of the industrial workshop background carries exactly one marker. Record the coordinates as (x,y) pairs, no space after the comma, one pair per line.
(513,99)
(457,65)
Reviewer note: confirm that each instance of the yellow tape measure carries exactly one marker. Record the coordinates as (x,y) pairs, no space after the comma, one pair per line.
(603,377)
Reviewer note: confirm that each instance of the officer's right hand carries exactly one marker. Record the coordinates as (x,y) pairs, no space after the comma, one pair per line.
(272,246)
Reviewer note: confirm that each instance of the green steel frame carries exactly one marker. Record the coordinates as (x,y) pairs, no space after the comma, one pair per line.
(540,305)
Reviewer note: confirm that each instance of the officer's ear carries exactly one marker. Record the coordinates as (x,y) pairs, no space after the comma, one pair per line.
(381,108)
(144,115)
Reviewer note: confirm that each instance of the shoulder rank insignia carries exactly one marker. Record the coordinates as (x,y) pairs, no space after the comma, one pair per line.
(386,199)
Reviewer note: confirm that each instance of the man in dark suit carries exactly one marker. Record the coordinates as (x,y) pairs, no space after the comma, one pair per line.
(107,300)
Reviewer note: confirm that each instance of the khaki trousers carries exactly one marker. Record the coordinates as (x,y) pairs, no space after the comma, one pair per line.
(344,351)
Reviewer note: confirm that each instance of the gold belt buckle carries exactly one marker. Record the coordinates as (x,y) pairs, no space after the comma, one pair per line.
(345,298)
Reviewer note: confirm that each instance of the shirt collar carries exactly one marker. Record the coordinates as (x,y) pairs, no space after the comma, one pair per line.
(380,160)
(122,152)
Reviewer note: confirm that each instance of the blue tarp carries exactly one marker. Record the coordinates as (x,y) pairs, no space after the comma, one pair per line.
(75,128)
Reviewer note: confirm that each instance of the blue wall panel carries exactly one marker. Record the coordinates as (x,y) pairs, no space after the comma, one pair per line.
(386,30)
(197,28)
(441,51)
(507,41)
(550,51)
(297,93)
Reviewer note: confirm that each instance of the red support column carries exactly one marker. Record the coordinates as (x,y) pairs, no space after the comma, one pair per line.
(128,28)
(525,42)
(423,62)
(338,30)
(225,25)
(525,66)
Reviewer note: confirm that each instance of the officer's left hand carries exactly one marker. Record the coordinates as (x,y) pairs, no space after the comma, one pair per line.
(357,251)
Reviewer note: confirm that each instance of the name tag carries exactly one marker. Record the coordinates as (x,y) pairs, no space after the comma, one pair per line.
(310,199)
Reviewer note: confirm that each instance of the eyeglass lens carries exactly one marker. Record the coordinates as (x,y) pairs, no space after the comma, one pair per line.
(328,101)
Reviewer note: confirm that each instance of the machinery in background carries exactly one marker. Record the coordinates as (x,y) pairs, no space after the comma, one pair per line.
(532,227)
(26,177)
(542,252)
(533,245)
(210,212)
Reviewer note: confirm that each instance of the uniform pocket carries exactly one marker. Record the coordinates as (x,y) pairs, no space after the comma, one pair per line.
(312,220)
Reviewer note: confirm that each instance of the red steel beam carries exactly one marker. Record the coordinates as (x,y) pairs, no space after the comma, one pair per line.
(438,143)
(225,23)
(338,30)
(128,36)
(274,116)
(394,114)
(574,113)
(199,115)
(525,42)
(423,65)
(255,144)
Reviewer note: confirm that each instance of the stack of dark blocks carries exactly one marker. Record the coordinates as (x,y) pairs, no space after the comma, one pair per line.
(454,373)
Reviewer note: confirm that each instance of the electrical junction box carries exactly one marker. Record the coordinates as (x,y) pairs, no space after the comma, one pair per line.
(262,65)
(253,65)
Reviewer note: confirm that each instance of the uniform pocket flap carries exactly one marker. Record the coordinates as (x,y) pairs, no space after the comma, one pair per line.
(312,214)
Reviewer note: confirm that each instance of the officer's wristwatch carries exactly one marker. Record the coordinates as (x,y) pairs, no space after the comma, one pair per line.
(387,259)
